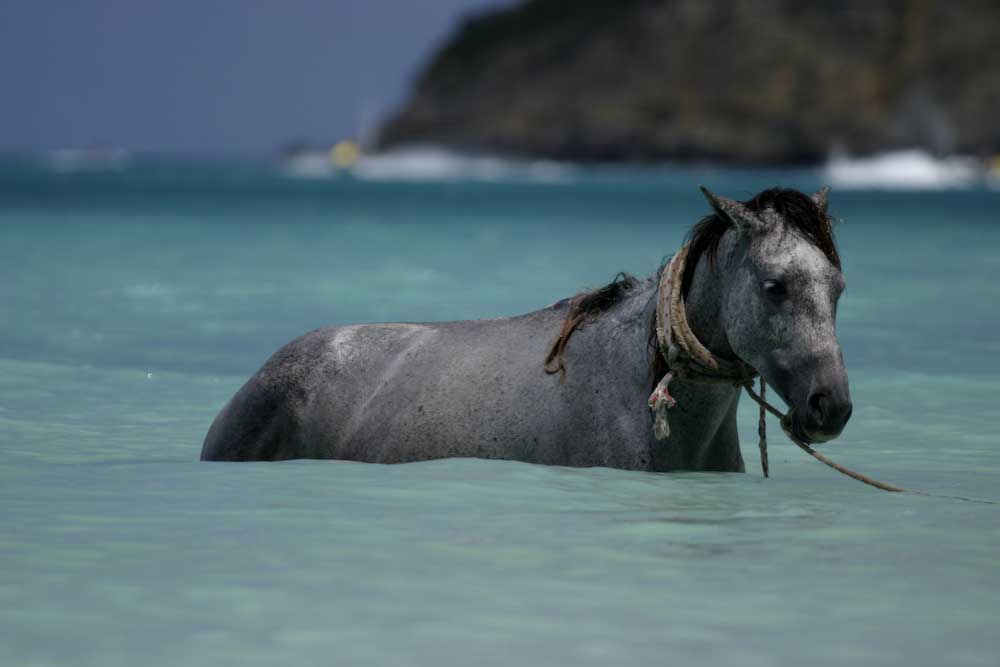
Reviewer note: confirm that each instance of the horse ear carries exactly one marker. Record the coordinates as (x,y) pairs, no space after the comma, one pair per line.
(820,198)
(732,211)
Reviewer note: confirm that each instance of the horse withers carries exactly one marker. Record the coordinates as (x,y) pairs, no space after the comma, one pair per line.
(760,286)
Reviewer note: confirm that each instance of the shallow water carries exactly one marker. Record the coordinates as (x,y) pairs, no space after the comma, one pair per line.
(135,303)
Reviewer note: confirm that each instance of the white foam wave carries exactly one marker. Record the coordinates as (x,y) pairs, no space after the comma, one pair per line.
(309,165)
(902,170)
(436,164)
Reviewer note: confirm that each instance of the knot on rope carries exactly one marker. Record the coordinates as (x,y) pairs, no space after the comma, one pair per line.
(659,402)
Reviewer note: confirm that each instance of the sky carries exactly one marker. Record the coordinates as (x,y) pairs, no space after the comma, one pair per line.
(209,77)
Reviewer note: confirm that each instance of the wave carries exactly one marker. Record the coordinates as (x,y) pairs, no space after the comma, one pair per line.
(897,170)
(309,165)
(902,170)
(437,164)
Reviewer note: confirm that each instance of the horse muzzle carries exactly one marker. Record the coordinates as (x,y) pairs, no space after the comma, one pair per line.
(822,419)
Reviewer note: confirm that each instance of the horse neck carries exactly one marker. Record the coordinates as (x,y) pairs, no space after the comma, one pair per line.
(704,303)
(629,329)
(699,445)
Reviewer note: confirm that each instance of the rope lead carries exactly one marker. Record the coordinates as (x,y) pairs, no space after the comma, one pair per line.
(764,405)
(762,430)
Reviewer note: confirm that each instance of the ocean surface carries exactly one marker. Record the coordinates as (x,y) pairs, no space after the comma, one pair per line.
(134,301)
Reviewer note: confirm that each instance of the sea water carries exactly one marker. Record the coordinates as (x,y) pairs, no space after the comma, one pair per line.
(133,303)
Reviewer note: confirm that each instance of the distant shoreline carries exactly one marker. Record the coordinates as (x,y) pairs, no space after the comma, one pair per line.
(728,83)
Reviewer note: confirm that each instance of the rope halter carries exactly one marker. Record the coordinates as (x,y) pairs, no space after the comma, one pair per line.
(686,356)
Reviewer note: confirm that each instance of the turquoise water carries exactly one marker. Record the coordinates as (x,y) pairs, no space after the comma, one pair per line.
(134,303)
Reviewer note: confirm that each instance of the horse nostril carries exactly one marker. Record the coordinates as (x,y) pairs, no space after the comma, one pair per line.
(828,414)
(817,407)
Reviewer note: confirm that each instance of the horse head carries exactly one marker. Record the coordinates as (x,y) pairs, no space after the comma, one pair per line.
(779,288)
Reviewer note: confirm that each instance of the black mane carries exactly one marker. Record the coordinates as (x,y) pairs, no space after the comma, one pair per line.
(595,302)
(583,306)
(798,210)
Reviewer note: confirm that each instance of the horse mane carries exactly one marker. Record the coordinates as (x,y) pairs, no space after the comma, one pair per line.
(798,210)
(583,306)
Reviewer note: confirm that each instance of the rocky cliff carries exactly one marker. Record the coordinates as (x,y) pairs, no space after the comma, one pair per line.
(738,81)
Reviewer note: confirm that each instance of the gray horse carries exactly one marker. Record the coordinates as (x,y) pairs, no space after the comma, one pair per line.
(761,285)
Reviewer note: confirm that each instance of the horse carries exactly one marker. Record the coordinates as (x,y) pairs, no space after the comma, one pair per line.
(759,289)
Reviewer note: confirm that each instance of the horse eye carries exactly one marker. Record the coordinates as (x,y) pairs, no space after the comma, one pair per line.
(774,288)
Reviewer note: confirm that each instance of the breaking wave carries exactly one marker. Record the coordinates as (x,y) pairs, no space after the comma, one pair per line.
(903,170)
(436,164)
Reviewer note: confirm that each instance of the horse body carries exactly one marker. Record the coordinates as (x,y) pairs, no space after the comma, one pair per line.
(391,393)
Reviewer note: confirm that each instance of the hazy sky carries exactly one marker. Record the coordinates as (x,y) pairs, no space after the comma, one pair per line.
(208,76)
